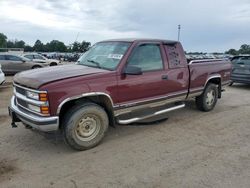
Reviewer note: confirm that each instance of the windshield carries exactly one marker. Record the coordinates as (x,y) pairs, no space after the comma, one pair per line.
(104,55)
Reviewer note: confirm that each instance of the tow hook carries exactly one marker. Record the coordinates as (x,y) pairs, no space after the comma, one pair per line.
(13,124)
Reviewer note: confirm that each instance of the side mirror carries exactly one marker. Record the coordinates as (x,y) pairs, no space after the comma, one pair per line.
(133,70)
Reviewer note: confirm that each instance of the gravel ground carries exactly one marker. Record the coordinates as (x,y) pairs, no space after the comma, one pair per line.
(190,149)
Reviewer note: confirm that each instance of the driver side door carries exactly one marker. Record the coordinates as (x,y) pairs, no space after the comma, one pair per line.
(151,84)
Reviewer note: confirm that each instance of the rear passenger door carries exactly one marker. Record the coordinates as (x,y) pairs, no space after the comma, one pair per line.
(4,63)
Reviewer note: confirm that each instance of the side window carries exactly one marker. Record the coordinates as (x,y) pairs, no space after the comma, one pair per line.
(147,57)
(38,57)
(29,56)
(174,55)
(2,57)
(13,58)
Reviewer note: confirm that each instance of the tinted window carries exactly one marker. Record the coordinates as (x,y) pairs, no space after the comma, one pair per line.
(147,57)
(13,58)
(242,60)
(29,56)
(174,55)
(2,57)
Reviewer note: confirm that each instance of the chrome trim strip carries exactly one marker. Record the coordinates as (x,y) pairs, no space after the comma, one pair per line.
(91,94)
(211,77)
(154,99)
(205,60)
(151,115)
(34,112)
(31,101)
(34,120)
(32,90)
(150,104)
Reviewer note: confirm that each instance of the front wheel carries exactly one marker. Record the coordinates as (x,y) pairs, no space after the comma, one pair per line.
(85,126)
(208,99)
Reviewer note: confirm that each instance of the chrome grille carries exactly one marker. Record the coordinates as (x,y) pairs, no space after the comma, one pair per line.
(22,101)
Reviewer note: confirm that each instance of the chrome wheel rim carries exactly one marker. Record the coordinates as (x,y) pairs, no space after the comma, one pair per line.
(210,97)
(88,127)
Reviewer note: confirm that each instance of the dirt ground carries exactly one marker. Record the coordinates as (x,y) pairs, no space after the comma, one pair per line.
(190,149)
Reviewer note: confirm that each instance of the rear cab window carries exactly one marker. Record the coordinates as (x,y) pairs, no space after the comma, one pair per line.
(174,53)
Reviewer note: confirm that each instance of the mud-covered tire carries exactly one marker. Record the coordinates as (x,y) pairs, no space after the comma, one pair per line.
(208,99)
(85,125)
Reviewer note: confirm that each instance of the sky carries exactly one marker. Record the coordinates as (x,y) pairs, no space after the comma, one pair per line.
(206,25)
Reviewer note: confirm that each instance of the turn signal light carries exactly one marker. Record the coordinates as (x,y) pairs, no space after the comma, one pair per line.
(43,96)
(44,110)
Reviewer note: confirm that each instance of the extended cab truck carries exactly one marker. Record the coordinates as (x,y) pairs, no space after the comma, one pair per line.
(116,81)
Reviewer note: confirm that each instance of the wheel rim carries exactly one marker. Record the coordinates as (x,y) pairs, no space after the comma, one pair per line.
(210,97)
(88,127)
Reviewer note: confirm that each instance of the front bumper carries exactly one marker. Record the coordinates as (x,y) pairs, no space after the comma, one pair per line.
(45,124)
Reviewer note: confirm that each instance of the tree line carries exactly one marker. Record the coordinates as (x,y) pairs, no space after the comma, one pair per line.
(244,49)
(52,46)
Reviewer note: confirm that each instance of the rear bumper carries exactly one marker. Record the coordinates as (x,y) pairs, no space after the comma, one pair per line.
(245,79)
(45,124)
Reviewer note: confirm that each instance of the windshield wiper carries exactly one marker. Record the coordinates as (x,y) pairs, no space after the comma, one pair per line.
(94,62)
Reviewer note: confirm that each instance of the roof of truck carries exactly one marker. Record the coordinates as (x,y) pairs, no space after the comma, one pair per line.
(141,39)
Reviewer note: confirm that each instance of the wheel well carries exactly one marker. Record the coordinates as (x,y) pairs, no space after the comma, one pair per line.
(53,64)
(36,66)
(216,81)
(101,100)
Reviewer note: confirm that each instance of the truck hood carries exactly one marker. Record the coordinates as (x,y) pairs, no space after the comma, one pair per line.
(38,77)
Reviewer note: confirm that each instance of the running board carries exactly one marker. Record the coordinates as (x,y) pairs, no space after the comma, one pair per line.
(132,120)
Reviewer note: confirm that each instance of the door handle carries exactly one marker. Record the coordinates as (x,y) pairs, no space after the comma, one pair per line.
(164,77)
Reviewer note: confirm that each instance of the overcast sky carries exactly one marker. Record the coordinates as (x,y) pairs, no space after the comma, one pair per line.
(207,25)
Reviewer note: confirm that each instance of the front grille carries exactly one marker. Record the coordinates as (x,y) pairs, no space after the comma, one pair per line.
(22,101)
(20,90)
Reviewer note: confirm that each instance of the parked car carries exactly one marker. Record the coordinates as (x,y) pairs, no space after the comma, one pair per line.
(14,63)
(241,69)
(2,76)
(41,59)
(115,82)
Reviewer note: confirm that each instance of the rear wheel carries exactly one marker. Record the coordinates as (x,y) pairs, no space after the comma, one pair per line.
(85,126)
(53,64)
(36,67)
(208,99)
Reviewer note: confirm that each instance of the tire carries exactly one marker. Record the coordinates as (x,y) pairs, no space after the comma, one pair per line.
(53,64)
(85,125)
(208,99)
(36,67)
(231,83)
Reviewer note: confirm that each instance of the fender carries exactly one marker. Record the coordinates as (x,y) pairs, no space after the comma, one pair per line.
(91,94)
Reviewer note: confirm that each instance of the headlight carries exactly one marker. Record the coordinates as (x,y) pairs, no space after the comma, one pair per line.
(32,95)
(34,108)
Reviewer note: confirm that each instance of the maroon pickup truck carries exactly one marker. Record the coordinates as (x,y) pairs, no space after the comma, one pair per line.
(116,82)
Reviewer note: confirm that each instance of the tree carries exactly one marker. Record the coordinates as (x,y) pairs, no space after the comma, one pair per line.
(244,49)
(232,52)
(85,46)
(56,46)
(38,46)
(3,40)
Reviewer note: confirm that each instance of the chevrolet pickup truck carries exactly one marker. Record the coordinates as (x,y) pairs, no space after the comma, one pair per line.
(116,82)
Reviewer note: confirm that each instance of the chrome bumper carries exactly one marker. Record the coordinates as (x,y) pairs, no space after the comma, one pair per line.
(44,124)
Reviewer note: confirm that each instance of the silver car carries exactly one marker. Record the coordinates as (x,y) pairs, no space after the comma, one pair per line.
(40,58)
(14,63)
